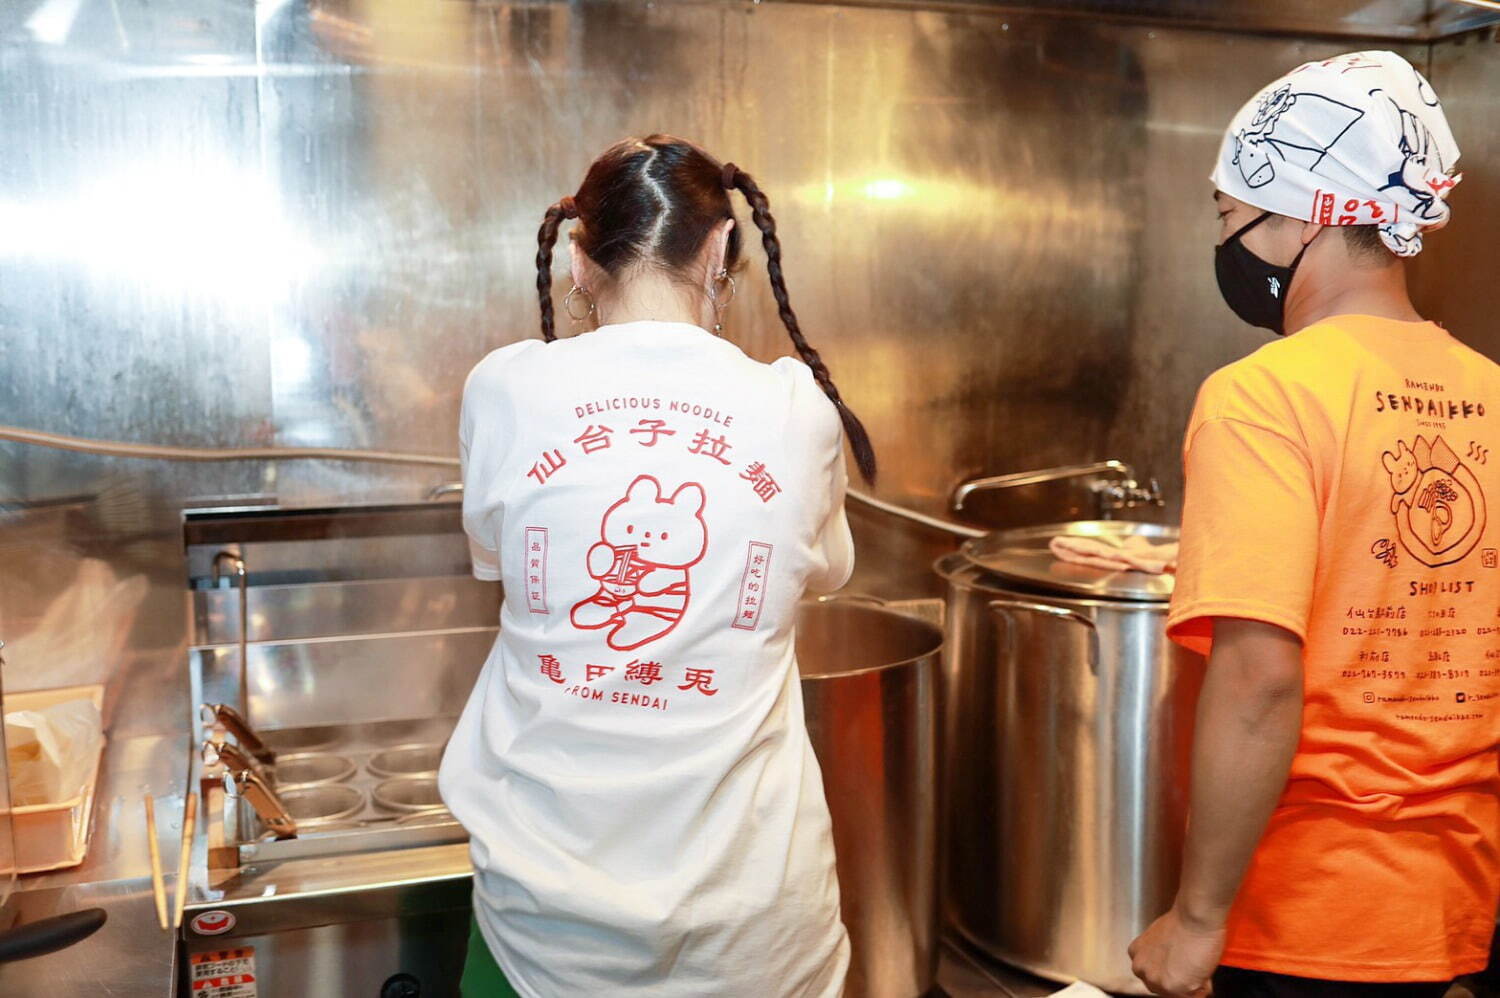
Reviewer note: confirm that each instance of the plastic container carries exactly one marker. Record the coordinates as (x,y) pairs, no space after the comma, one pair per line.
(55,836)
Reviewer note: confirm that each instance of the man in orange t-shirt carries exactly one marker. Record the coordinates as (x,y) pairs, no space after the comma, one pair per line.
(1339,566)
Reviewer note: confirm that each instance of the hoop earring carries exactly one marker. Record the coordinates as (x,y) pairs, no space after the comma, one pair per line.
(568,303)
(722,277)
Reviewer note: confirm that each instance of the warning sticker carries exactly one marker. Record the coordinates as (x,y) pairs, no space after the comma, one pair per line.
(227,973)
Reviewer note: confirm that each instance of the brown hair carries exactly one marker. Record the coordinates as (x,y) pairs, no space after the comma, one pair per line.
(654,201)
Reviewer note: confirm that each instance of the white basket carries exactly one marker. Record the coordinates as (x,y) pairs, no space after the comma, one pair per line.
(55,836)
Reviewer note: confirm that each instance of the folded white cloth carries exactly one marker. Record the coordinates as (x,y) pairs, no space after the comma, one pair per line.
(1133,554)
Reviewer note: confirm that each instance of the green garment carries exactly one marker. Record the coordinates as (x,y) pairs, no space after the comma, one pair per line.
(482,977)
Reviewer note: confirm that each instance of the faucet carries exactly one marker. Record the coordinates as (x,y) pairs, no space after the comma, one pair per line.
(243,779)
(962,493)
(242,580)
(1120,491)
(225,716)
(1127,494)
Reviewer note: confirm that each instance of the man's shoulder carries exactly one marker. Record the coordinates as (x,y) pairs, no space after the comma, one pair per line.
(1254,381)
(1314,359)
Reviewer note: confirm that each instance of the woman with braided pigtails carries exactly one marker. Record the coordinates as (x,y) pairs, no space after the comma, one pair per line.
(645,812)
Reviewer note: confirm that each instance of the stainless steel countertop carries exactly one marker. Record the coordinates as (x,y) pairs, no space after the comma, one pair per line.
(131,769)
(317,890)
(306,893)
(131,956)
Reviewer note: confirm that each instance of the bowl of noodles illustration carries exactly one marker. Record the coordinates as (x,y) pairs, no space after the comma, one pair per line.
(1437,501)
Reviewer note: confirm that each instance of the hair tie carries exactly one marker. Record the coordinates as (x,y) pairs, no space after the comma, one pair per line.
(727,178)
(568,206)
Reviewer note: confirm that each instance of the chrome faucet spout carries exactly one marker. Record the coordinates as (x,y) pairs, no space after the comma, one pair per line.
(1127,494)
(1118,469)
(244,779)
(242,579)
(225,716)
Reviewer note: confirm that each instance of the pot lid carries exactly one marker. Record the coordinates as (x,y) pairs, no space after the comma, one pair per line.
(1025,556)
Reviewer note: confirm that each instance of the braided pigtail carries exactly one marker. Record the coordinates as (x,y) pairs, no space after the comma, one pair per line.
(760,213)
(546,238)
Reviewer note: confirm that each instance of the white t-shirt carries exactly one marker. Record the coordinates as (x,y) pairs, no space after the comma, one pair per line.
(646,813)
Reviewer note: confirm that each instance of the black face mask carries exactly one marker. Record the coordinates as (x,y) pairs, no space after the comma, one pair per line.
(1254,289)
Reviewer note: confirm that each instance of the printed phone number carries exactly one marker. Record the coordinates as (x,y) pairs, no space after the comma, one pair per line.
(1372,674)
(1375,632)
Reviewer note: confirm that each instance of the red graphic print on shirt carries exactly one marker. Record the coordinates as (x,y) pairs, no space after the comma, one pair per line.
(753,586)
(1437,501)
(641,563)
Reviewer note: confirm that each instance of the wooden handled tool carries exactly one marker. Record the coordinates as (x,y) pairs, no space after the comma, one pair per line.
(189,820)
(158,886)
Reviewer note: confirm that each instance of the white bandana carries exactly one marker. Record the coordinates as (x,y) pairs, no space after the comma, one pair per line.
(1359,139)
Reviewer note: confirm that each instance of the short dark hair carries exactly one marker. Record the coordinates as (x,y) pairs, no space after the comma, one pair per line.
(1364,241)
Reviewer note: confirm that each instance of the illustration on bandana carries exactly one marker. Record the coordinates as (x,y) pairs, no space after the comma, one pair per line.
(1257,148)
(647,545)
(1437,501)
(1423,174)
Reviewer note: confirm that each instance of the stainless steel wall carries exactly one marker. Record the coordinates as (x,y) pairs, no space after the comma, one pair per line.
(1453,278)
(303,222)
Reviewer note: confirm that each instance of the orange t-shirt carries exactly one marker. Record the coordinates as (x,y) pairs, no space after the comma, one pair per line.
(1344,484)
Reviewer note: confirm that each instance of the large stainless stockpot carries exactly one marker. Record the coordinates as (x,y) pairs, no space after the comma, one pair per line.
(1068,723)
(870,687)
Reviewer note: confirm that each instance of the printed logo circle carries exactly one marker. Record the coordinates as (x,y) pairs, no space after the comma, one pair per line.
(213,923)
(1437,501)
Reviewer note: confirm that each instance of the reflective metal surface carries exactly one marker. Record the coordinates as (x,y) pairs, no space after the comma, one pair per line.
(360,956)
(216,716)
(870,687)
(7,837)
(302,739)
(301,223)
(346,927)
(357,897)
(342,803)
(1466,74)
(1066,758)
(244,782)
(406,760)
(281,612)
(346,680)
(1395,19)
(1099,473)
(311,807)
(241,585)
(432,816)
(308,768)
(130,957)
(1024,558)
(408,793)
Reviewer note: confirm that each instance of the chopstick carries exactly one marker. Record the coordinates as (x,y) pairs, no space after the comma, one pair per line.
(188,820)
(158,887)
